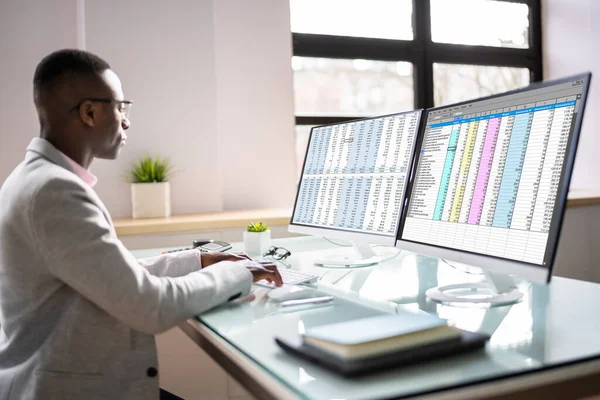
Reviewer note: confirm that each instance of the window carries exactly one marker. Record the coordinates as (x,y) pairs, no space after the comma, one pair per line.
(486,23)
(327,86)
(357,58)
(453,83)
(352,18)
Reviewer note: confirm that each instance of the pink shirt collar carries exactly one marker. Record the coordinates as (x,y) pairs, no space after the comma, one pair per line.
(81,172)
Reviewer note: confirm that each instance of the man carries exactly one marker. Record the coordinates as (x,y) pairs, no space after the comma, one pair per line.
(77,311)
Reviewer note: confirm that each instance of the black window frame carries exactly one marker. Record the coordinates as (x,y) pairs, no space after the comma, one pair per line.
(422,52)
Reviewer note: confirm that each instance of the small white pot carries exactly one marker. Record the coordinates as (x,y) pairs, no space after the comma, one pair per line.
(257,243)
(151,200)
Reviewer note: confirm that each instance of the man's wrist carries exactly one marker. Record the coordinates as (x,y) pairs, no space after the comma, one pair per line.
(199,255)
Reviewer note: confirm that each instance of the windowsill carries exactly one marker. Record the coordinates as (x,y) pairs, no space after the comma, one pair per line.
(583,197)
(196,222)
(273,217)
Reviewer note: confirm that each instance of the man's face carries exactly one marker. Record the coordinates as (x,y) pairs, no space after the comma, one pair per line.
(109,135)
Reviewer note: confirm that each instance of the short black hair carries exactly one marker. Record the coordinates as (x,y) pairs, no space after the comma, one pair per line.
(66,63)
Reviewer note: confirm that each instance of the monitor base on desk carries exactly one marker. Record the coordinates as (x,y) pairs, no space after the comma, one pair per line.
(363,256)
(499,290)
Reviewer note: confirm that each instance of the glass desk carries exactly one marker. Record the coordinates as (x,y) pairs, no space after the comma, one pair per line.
(548,342)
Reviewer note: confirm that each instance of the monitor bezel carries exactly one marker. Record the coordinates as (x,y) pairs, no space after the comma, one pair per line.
(345,233)
(530,271)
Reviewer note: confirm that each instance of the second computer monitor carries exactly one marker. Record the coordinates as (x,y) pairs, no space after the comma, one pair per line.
(353,182)
(491,178)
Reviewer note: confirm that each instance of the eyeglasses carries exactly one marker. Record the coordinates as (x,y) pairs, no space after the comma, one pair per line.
(124,106)
(278,253)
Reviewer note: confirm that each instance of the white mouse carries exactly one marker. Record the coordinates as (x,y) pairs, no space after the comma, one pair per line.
(291,292)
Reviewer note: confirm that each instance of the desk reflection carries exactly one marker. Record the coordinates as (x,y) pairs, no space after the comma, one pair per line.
(404,281)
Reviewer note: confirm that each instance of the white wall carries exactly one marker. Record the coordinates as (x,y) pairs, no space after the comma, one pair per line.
(255,102)
(571,35)
(211,81)
(29,30)
(165,59)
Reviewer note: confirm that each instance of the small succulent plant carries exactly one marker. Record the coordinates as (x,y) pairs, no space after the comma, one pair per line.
(257,227)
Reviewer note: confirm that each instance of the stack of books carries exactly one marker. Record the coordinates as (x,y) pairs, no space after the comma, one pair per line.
(370,344)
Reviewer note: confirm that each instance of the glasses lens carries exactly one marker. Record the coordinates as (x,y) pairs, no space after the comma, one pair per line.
(281,253)
(125,108)
(270,252)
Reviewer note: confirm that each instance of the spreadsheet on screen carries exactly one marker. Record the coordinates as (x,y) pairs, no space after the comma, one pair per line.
(488,173)
(355,174)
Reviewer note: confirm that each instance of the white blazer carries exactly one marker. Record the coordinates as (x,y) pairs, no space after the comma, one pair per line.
(78,312)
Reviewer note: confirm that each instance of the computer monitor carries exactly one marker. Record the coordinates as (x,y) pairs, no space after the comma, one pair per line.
(353,182)
(490,183)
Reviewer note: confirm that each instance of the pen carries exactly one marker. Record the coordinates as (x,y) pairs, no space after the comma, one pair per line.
(311,300)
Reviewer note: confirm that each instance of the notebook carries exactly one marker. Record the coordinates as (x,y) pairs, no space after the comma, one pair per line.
(381,334)
(468,341)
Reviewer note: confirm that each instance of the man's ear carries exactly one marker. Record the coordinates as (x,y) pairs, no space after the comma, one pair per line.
(88,113)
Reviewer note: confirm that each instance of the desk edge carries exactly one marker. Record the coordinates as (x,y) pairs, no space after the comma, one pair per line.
(258,382)
(246,371)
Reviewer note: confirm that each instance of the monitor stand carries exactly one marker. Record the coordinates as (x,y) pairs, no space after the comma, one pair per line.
(497,290)
(363,256)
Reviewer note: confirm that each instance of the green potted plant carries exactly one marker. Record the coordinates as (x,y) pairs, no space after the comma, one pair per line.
(150,189)
(257,238)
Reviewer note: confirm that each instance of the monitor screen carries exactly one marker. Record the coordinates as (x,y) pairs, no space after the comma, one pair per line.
(491,175)
(355,174)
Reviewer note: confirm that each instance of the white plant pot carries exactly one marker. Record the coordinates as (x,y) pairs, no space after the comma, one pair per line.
(257,243)
(151,200)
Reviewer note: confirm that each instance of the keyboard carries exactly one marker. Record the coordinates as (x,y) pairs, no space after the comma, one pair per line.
(291,277)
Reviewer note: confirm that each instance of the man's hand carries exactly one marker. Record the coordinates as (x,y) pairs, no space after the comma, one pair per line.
(266,271)
(259,269)
(215,257)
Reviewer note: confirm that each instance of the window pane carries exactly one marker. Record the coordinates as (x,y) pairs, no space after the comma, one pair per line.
(324,86)
(302,135)
(453,83)
(386,19)
(480,22)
